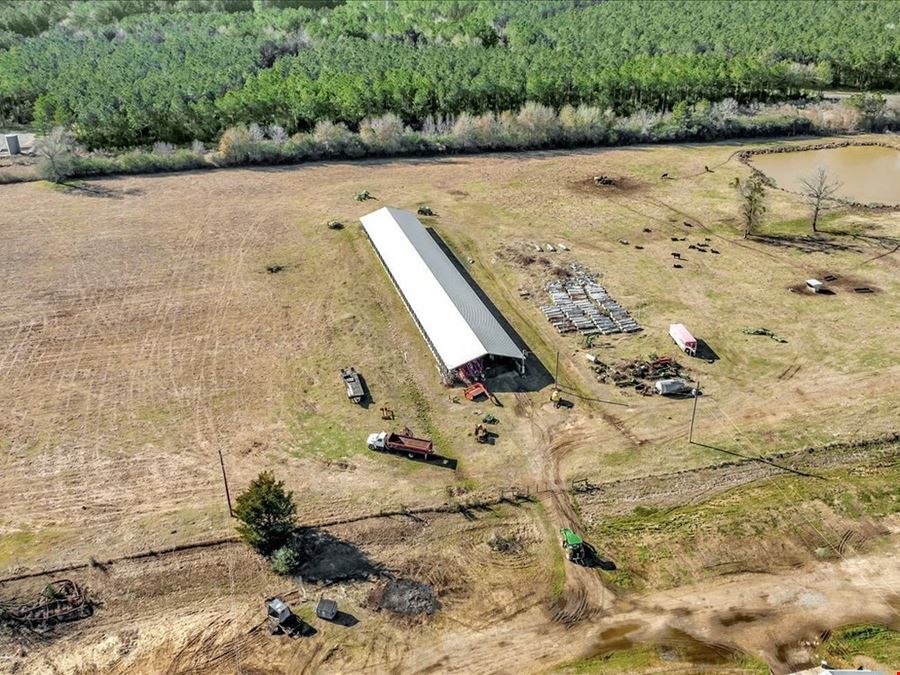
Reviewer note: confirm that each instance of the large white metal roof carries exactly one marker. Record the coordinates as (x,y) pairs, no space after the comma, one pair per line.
(453,318)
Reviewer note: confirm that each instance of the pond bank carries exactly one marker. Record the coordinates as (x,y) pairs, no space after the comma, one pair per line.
(875,174)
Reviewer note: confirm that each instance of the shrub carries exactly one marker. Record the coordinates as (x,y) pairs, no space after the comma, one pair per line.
(234,145)
(284,560)
(56,161)
(535,125)
(383,134)
(586,123)
(336,139)
(162,148)
(277,134)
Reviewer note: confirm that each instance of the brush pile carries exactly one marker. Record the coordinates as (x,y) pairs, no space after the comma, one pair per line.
(638,374)
(60,601)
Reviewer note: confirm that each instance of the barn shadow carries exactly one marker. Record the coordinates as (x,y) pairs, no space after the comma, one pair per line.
(504,379)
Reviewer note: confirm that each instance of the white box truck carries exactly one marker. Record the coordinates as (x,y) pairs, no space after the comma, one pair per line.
(682,337)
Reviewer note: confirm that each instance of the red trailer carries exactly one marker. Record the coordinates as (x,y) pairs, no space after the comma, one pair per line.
(413,447)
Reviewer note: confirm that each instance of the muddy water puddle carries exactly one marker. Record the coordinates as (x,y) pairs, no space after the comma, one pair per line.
(867,173)
(671,645)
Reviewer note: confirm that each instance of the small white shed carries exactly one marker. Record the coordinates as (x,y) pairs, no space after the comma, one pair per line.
(815,285)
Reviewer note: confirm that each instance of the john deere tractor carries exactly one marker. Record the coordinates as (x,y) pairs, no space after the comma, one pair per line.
(573,545)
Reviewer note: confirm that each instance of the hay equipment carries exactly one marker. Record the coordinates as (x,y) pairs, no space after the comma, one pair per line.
(61,601)
(764,331)
(424,211)
(482,435)
(362,196)
(473,391)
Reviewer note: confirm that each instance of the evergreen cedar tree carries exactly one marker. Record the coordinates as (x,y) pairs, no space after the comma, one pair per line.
(266,512)
(122,74)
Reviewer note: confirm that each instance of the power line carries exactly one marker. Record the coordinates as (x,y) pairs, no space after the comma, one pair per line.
(885,591)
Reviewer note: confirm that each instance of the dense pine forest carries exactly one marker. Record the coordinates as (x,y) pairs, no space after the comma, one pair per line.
(123,73)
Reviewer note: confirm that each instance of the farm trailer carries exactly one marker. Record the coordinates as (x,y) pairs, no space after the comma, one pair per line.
(682,337)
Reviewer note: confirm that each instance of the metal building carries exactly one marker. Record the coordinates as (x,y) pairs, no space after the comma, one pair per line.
(457,325)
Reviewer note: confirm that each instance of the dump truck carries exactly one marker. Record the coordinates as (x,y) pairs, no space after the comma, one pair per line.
(394,442)
(353,384)
(573,545)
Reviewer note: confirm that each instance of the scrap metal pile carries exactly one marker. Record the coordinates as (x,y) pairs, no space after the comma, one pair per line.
(62,600)
(580,303)
(640,374)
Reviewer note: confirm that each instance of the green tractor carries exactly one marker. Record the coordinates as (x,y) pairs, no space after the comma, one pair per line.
(573,545)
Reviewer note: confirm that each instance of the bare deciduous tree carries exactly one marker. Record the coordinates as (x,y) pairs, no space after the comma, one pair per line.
(819,191)
(55,153)
(752,194)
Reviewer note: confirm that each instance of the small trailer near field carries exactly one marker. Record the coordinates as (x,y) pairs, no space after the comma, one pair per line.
(353,384)
(393,442)
(682,337)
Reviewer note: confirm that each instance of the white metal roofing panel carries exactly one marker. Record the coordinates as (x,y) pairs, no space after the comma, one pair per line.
(456,321)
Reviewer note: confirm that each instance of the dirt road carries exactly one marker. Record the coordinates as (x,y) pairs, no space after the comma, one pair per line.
(199,611)
(777,617)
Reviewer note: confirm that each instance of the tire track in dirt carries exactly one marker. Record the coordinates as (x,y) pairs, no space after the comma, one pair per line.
(584,594)
(789,373)
(690,485)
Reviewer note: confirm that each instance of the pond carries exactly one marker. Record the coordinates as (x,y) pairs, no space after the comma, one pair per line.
(867,173)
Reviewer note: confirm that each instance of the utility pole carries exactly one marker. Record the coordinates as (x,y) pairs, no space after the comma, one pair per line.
(225,480)
(694,412)
(556,372)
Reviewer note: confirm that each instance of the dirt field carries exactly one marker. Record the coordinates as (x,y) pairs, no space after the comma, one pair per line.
(141,334)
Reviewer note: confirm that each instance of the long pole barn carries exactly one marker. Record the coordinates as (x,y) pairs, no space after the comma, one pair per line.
(457,325)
